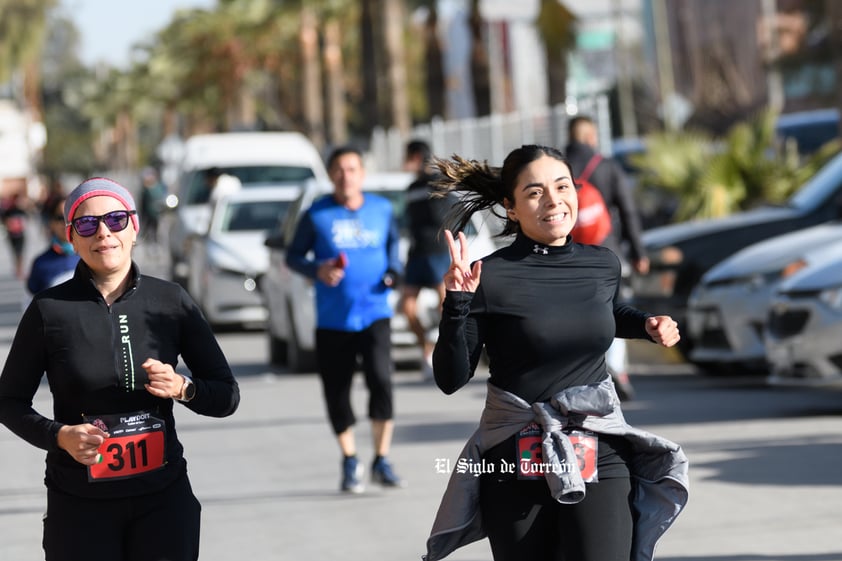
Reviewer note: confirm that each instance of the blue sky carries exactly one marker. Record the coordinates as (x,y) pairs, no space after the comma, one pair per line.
(109,28)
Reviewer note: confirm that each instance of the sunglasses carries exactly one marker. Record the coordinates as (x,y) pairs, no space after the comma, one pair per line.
(116,221)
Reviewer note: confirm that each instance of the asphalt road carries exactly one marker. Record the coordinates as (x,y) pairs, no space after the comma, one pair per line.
(765,478)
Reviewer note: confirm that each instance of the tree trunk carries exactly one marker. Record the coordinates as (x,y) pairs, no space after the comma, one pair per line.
(369,102)
(435,67)
(393,23)
(556,76)
(337,118)
(479,63)
(833,11)
(312,77)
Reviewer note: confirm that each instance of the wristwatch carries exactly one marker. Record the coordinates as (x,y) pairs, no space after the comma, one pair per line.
(188,390)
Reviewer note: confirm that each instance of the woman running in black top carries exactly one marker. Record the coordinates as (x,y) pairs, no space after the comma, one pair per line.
(545,309)
(109,340)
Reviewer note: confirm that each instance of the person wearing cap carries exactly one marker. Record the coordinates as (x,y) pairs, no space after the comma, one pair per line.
(109,340)
(58,261)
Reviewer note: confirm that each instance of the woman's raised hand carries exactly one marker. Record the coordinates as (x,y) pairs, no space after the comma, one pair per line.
(461,277)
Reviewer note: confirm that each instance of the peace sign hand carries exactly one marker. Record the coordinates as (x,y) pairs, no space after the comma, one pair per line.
(461,277)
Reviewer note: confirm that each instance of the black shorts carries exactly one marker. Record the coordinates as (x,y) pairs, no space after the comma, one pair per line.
(426,270)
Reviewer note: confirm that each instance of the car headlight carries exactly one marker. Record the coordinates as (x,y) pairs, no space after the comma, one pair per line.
(832,297)
(668,256)
(793,267)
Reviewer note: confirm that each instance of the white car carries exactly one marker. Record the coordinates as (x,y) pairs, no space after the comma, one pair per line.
(226,262)
(803,335)
(255,159)
(726,311)
(290,297)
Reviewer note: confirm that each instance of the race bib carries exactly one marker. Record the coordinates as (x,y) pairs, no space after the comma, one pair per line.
(531,464)
(585,446)
(137,445)
(530,457)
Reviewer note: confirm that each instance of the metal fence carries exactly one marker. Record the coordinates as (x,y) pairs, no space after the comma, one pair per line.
(492,137)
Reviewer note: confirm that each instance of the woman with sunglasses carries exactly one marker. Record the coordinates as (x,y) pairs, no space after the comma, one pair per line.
(109,340)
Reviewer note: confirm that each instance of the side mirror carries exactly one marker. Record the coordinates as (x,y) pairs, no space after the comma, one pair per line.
(275,240)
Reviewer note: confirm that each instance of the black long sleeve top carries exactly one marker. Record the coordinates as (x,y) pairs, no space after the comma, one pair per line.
(92,355)
(545,314)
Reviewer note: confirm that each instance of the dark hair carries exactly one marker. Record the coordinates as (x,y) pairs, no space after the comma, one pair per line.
(54,204)
(483,187)
(341,151)
(419,147)
(574,123)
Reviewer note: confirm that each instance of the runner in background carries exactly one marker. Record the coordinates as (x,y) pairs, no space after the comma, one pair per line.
(624,238)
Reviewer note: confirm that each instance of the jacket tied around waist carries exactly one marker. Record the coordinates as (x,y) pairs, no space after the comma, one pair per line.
(658,467)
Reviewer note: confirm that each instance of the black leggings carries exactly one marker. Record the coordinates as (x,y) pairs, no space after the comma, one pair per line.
(162,525)
(337,353)
(524,522)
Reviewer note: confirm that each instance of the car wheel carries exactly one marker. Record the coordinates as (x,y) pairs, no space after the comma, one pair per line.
(298,359)
(277,351)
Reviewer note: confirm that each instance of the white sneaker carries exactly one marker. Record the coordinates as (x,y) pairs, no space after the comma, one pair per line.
(427,368)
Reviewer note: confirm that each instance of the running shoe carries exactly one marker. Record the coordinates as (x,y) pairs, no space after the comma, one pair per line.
(352,475)
(383,473)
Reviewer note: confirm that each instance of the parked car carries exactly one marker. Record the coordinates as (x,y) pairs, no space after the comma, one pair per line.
(681,253)
(809,129)
(290,297)
(256,159)
(227,261)
(804,327)
(727,310)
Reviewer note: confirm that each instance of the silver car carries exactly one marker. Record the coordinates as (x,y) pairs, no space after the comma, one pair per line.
(255,159)
(726,310)
(290,297)
(804,331)
(226,262)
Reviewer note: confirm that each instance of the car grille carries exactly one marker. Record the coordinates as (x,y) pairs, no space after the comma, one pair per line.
(714,338)
(788,322)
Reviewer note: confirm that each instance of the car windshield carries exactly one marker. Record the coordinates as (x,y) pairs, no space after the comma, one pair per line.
(253,215)
(821,188)
(198,192)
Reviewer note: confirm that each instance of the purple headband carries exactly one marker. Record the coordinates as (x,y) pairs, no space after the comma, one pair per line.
(95,187)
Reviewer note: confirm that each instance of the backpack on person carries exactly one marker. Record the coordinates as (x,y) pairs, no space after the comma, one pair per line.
(593,223)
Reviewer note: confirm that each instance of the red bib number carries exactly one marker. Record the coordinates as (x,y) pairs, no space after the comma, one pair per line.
(530,457)
(585,447)
(531,464)
(137,445)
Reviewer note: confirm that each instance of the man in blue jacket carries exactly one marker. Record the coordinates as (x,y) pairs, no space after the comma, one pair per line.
(347,242)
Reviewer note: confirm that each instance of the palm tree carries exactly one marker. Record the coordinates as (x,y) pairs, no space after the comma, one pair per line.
(556,26)
(712,177)
(480,75)
(312,76)
(394,21)
(434,66)
(23,25)
(369,100)
(834,17)
(334,78)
